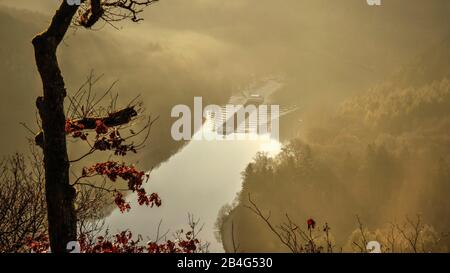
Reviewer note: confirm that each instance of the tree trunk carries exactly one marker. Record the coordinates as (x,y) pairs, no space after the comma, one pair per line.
(60,195)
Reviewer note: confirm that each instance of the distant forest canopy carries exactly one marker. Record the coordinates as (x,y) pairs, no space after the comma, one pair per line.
(383,155)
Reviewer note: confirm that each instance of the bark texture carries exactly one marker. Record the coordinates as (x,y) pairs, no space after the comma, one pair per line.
(60,195)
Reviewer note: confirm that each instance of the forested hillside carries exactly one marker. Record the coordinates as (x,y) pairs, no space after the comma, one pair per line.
(383,155)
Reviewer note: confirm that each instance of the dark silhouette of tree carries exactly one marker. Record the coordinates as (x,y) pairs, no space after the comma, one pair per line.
(23,212)
(60,194)
(22,202)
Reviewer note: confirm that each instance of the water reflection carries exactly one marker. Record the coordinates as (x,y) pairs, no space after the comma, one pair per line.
(200,179)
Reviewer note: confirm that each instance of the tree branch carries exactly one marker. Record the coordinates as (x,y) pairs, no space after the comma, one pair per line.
(117,118)
(58,27)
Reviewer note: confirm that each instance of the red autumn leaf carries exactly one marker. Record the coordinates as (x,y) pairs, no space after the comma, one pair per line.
(311,223)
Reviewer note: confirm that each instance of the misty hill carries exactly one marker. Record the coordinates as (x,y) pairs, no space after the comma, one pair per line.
(323,50)
(433,65)
(139,73)
(382,155)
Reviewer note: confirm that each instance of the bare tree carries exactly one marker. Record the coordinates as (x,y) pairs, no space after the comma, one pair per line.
(233,239)
(22,202)
(23,212)
(408,236)
(362,245)
(60,194)
(290,234)
(191,235)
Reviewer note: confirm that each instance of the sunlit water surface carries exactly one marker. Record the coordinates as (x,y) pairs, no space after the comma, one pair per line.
(200,179)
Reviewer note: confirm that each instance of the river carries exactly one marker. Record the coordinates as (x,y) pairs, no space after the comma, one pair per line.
(199,179)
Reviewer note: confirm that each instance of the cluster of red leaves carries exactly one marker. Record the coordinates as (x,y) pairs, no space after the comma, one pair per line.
(73,126)
(185,246)
(135,179)
(311,223)
(114,170)
(39,244)
(100,127)
(104,140)
(121,203)
(122,242)
(113,142)
(75,129)
(109,139)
